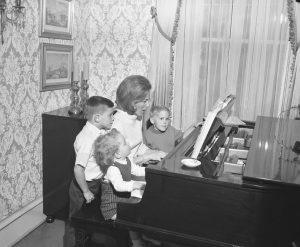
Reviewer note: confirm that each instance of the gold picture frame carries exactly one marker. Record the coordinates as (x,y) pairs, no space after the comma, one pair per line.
(56,19)
(56,66)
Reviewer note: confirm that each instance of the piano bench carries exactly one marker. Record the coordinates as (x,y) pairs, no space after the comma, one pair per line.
(89,222)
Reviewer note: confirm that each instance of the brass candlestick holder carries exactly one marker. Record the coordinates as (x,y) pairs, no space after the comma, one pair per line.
(84,93)
(75,108)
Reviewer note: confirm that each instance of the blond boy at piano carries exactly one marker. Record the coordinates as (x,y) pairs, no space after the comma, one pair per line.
(161,135)
(111,153)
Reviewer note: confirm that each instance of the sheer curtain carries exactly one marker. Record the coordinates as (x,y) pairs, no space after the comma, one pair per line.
(227,46)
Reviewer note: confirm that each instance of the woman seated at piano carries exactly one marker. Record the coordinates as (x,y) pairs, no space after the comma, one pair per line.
(132,100)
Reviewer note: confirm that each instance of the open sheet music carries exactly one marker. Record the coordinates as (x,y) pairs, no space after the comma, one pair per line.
(220,110)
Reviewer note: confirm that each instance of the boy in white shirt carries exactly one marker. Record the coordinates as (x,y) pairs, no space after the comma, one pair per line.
(99,113)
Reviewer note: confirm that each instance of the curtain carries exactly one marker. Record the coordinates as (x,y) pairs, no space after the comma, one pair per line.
(159,72)
(290,106)
(226,47)
(297,16)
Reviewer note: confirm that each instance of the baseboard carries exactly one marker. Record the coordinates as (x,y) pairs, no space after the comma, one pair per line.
(17,226)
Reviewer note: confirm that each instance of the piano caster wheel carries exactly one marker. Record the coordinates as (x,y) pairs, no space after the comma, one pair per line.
(49,219)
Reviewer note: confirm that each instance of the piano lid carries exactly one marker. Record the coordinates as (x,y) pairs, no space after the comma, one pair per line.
(273,155)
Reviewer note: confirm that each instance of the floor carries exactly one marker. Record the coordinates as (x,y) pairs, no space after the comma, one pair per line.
(46,235)
(51,235)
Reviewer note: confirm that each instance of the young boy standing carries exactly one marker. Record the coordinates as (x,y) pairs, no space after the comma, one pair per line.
(160,135)
(99,113)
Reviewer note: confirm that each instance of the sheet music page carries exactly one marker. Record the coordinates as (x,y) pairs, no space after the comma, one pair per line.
(235,121)
(217,108)
(204,130)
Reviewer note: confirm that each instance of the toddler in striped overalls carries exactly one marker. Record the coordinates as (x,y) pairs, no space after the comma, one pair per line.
(111,151)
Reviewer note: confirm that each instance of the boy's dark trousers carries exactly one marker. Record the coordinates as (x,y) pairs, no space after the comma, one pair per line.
(76,195)
(76,202)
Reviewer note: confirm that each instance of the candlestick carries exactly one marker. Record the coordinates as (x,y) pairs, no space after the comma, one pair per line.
(18,3)
(84,93)
(75,108)
(2,3)
(76,72)
(86,71)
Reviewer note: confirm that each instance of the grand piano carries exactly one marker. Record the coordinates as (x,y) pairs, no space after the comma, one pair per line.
(246,192)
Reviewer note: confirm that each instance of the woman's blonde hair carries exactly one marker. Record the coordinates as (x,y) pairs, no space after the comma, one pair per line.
(106,146)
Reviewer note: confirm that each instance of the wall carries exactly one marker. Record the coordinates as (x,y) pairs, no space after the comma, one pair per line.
(114,36)
(120,42)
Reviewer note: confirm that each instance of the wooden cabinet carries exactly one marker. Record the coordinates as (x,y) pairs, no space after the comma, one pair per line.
(59,131)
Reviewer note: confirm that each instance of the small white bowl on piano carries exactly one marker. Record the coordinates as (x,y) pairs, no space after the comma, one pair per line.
(191,162)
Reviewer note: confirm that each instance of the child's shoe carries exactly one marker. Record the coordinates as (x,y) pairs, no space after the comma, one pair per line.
(138,243)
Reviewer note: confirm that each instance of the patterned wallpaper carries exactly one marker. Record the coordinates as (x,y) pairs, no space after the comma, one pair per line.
(114,36)
(120,41)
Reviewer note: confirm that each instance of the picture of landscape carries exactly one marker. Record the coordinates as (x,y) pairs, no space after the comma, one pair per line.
(57,66)
(57,13)
(56,19)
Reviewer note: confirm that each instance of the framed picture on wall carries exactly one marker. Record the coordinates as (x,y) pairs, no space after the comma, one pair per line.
(56,19)
(56,66)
